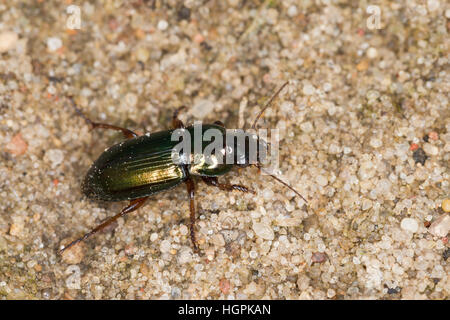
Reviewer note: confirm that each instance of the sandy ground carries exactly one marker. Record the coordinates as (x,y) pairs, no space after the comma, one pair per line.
(365,137)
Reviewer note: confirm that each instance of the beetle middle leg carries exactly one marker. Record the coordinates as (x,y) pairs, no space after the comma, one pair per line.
(134,205)
(213,181)
(126,132)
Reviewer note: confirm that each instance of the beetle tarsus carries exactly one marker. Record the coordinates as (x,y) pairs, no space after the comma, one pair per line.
(94,125)
(213,181)
(134,205)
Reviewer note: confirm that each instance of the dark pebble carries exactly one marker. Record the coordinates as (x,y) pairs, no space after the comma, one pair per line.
(426,138)
(446,254)
(319,257)
(419,156)
(394,290)
(184,13)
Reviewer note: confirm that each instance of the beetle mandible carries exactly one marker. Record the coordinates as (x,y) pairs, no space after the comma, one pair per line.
(142,166)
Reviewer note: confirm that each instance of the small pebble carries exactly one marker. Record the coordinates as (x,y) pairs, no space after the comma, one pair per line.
(430,149)
(218,240)
(375,143)
(419,156)
(16,229)
(409,224)
(263,231)
(224,286)
(184,256)
(433,135)
(8,41)
(165,246)
(292,11)
(363,65)
(319,257)
(308,89)
(142,54)
(202,108)
(184,13)
(54,44)
(74,254)
(17,146)
(163,25)
(321,180)
(55,156)
(441,226)
(446,205)
(372,53)
(184,230)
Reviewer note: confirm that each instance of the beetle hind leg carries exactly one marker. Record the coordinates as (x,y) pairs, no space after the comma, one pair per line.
(126,132)
(213,181)
(134,205)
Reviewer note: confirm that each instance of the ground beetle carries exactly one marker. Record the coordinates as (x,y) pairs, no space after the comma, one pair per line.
(142,166)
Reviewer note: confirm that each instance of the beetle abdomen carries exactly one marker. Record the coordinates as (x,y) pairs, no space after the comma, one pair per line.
(133,169)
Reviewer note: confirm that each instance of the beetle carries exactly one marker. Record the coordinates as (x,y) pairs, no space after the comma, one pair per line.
(142,166)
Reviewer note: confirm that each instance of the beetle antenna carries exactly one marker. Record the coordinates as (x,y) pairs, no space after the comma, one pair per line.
(268,104)
(280,181)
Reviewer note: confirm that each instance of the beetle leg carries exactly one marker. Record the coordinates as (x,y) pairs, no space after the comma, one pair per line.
(126,132)
(213,181)
(191,192)
(177,123)
(134,205)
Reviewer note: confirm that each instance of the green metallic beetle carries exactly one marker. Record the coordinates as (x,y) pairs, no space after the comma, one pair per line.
(143,165)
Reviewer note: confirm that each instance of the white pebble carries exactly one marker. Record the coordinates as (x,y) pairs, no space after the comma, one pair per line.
(372,53)
(331,293)
(375,143)
(268,194)
(366,204)
(54,43)
(441,226)
(55,156)
(409,224)
(153,237)
(162,25)
(183,230)
(430,149)
(184,256)
(131,100)
(433,5)
(306,126)
(165,246)
(292,11)
(308,89)
(263,230)
(202,108)
(8,41)
(322,180)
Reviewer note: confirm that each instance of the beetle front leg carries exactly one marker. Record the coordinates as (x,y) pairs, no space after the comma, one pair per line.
(177,123)
(126,132)
(191,192)
(213,181)
(134,205)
